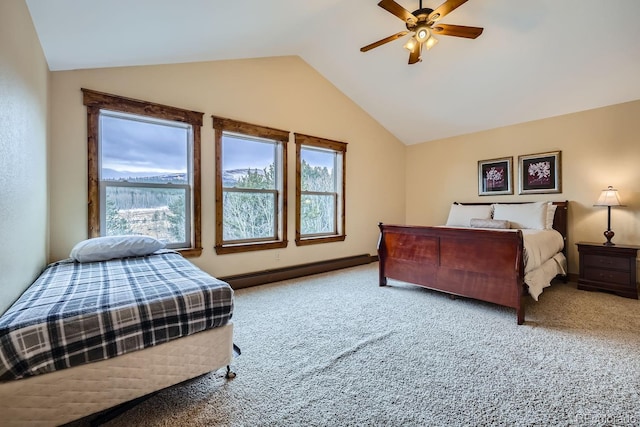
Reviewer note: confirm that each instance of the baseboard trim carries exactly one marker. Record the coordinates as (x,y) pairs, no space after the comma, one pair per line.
(240,281)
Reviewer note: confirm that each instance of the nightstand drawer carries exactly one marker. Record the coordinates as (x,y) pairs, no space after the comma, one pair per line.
(606,262)
(609,276)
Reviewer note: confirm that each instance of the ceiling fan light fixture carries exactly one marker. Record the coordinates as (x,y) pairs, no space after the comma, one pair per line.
(431,42)
(411,44)
(422,34)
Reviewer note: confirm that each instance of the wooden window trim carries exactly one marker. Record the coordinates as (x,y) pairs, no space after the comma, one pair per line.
(220,125)
(96,101)
(338,146)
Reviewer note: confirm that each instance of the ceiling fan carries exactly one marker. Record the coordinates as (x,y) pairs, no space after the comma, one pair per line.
(423,24)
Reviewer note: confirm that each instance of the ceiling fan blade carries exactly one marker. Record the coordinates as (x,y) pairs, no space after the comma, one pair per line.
(414,56)
(383,41)
(397,10)
(457,31)
(444,9)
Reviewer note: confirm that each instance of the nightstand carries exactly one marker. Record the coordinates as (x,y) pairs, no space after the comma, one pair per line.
(608,268)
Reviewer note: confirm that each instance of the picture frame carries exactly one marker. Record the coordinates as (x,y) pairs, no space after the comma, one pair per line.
(495,176)
(540,173)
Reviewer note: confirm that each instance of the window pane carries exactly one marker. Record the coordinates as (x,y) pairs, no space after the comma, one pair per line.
(317,214)
(143,151)
(248,163)
(248,215)
(317,170)
(156,212)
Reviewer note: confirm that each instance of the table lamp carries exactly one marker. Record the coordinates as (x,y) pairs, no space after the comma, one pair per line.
(608,198)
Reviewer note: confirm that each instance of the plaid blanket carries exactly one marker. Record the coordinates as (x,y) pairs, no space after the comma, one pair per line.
(76,313)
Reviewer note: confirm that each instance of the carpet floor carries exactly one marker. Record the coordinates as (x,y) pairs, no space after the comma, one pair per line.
(335,349)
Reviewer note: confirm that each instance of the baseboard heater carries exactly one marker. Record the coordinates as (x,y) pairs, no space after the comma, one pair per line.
(240,281)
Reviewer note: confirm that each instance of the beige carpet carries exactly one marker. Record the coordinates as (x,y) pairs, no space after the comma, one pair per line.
(337,350)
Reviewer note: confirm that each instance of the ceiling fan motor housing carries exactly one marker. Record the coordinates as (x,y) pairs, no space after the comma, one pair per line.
(422,15)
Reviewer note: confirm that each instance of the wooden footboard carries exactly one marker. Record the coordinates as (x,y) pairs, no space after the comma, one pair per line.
(482,264)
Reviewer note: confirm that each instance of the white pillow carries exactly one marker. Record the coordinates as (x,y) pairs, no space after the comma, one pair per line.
(524,215)
(551,213)
(461,215)
(110,247)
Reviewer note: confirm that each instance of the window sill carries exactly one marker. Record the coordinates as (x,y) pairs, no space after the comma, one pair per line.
(248,247)
(190,253)
(317,240)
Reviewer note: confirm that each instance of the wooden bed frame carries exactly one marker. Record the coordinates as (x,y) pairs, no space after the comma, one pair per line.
(456,261)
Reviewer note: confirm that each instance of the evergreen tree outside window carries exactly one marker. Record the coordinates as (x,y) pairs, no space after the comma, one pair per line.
(145,177)
(320,190)
(144,174)
(250,187)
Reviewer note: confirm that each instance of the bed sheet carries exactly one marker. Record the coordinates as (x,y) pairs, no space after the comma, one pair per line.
(76,313)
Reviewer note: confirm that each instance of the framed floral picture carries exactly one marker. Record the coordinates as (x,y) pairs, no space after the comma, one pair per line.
(540,173)
(495,176)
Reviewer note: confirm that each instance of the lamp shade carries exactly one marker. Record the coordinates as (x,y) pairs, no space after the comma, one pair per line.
(411,44)
(431,42)
(609,197)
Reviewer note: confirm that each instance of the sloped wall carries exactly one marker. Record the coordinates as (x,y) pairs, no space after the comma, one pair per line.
(284,93)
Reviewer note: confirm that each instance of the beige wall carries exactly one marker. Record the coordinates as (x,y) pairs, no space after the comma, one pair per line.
(23,152)
(385,180)
(599,147)
(284,93)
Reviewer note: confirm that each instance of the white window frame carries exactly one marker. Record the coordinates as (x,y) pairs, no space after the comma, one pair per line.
(275,192)
(187,188)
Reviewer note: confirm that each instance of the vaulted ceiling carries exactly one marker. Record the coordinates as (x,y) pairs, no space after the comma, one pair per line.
(535,59)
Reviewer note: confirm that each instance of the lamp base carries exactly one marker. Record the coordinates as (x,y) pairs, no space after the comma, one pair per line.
(609,235)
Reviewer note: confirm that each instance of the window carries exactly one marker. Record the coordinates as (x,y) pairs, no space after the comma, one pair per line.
(251,182)
(144,170)
(320,195)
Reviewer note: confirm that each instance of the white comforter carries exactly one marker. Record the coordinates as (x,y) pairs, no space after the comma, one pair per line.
(543,259)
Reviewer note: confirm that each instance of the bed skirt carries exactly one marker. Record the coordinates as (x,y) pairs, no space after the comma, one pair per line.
(59,397)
